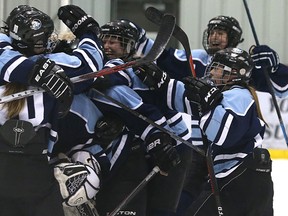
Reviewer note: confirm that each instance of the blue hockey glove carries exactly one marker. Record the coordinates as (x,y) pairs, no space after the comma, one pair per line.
(263,56)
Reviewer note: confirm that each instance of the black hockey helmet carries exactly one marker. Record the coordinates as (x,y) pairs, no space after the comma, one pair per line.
(235,65)
(125,31)
(228,24)
(29,28)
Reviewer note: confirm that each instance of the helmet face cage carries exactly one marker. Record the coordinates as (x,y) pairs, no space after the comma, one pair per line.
(30,28)
(124,31)
(52,42)
(126,43)
(229,25)
(230,66)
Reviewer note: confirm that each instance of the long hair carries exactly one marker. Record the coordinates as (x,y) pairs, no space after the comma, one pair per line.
(255,97)
(14,107)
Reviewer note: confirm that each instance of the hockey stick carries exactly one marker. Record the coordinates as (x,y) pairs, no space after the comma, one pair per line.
(162,38)
(136,190)
(144,118)
(213,180)
(156,16)
(270,88)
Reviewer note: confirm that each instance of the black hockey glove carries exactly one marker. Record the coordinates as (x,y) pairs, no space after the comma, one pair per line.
(108,128)
(102,82)
(263,56)
(163,153)
(152,76)
(202,92)
(52,78)
(77,20)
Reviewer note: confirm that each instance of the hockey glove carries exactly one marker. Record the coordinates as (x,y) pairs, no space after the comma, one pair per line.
(265,57)
(203,93)
(102,82)
(77,20)
(108,128)
(152,76)
(79,180)
(164,155)
(52,78)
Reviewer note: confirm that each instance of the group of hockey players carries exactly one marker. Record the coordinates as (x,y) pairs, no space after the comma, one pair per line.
(80,148)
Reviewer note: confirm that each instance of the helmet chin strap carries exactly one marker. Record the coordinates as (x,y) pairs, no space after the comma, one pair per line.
(224,87)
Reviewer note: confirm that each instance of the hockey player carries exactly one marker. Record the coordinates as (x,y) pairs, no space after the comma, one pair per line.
(28,126)
(120,39)
(126,153)
(72,162)
(234,106)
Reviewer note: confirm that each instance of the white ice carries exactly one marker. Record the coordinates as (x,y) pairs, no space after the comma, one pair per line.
(279,174)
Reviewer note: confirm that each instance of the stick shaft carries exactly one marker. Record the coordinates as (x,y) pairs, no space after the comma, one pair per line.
(136,190)
(251,22)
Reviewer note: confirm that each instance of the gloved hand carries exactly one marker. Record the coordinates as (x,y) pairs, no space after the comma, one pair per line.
(202,92)
(77,20)
(159,146)
(108,128)
(102,82)
(264,56)
(52,78)
(78,179)
(152,76)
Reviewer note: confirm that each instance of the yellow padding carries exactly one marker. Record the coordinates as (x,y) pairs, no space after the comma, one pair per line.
(278,153)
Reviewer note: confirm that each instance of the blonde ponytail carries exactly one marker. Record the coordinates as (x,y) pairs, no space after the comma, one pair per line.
(255,97)
(14,107)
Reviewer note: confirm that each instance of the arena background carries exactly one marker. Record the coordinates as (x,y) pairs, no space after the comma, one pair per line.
(269,18)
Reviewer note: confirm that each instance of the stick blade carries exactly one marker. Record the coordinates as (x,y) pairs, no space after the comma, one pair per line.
(154,15)
(165,32)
